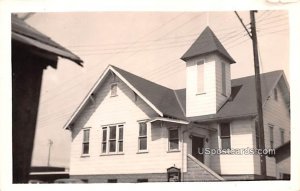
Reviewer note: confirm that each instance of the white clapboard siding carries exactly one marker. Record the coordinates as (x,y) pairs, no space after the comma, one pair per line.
(241,138)
(209,101)
(199,132)
(204,103)
(220,97)
(277,114)
(120,109)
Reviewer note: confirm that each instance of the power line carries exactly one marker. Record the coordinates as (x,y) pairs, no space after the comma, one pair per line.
(241,21)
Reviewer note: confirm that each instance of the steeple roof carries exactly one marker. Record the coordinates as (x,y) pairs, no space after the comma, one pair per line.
(207,43)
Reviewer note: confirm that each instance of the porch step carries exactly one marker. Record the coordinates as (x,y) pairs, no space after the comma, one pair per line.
(198,172)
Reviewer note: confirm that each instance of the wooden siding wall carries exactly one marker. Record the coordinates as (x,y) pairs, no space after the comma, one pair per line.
(220,98)
(199,132)
(277,114)
(241,137)
(212,96)
(120,109)
(195,101)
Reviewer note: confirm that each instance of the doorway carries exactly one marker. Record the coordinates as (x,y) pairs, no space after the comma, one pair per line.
(197,146)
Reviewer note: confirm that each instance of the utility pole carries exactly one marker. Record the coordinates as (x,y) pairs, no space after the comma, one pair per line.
(258,94)
(50,145)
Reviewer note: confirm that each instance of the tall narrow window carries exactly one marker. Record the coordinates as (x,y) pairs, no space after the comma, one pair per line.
(282,136)
(200,76)
(225,135)
(223,78)
(104,139)
(275,94)
(112,139)
(143,136)
(173,139)
(120,141)
(271,134)
(113,89)
(86,141)
(257,133)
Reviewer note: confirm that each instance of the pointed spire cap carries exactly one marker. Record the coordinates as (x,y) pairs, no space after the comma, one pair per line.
(207,43)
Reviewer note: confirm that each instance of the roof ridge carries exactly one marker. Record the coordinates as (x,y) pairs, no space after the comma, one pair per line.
(141,77)
(179,102)
(260,74)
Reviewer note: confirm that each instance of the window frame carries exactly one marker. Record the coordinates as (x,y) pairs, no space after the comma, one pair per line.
(257,134)
(112,93)
(142,137)
(112,180)
(225,136)
(223,76)
(271,135)
(282,133)
(86,142)
(170,139)
(108,140)
(275,94)
(202,89)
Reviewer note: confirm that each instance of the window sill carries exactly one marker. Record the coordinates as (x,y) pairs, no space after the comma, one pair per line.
(200,93)
(111,154)
(142,152)
(85,155)
(113,95)
(173,151)
(223,95)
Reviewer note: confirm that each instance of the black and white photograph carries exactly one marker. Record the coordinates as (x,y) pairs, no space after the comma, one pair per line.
(145,97)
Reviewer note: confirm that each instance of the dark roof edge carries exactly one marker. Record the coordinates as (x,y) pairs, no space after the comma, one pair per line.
(179,103)
(231,61)
(223,118)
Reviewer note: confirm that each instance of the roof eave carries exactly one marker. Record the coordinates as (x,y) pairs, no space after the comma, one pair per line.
(217,118)
(109,68)
(230,60)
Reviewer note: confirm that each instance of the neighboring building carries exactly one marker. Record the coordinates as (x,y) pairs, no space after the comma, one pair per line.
(283,161)
(129,129)
(31,53)
(47,174)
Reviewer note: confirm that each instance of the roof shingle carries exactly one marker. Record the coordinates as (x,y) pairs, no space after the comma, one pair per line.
(207,43)
(24,33)
(173,102)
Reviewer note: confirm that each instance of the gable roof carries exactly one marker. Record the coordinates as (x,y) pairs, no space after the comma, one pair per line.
(243,97)
(207,43)
(161,97)
(158,97)
(25,34)
(172,103)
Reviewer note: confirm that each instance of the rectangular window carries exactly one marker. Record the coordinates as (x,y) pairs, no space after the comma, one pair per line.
(86,141)
(112,138)
(271,134)
(173,139)
(142,180)
(225,135)
(223,78)
(257,134)
(282,136)
(120,141)
(275,94)
(200,76)
(104,139)
(112,181)
(142,136)
(113,89)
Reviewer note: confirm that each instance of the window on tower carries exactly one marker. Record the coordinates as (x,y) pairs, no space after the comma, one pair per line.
(200,76)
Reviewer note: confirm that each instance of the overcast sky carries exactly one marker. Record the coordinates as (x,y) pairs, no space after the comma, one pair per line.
(148,44)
